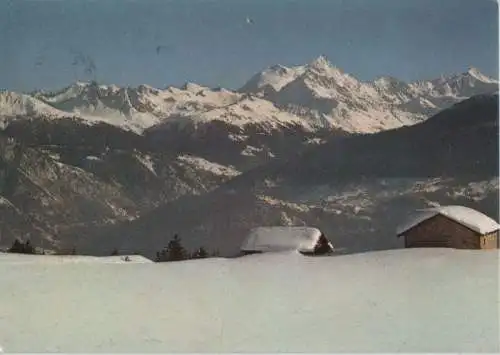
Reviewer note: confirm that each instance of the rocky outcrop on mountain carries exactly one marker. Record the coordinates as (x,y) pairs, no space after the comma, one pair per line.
(51,191)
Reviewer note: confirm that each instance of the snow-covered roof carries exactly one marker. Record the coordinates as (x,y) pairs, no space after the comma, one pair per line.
(466,216)
(275,239)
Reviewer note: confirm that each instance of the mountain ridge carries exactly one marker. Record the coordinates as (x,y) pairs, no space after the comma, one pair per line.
(335,99)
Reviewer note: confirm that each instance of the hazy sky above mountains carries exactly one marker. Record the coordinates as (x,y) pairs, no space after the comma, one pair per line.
(49,44)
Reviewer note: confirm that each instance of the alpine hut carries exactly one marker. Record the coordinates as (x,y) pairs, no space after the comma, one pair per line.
(306,240)
(450,227)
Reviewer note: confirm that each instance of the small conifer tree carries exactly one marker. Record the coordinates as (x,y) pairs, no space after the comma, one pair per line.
(175,250)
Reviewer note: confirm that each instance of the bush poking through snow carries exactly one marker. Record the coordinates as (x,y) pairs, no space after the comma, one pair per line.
(22,248)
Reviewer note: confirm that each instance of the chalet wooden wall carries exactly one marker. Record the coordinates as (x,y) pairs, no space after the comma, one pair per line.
(440,231)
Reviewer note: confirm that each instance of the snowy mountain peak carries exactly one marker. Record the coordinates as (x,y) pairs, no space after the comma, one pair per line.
(323,73)
(14,104)
(470,77)
(192,87)
(279,69)
(476,74)
(320,63)
(275,77)
(80,84)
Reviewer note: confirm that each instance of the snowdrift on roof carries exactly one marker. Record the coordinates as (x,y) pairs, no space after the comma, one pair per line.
(467,217)
(278,239)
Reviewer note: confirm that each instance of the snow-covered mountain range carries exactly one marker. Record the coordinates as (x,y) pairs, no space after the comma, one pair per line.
(314,96)
(326,94)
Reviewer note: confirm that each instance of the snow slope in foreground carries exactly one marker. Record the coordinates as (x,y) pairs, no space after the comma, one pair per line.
(8,258)
(438,300)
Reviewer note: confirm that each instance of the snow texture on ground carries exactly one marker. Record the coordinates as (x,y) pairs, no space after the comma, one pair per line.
(428,300)
(8,258)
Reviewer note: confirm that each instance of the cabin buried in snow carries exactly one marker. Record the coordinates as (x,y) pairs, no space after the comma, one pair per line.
(450,227)
(305,240)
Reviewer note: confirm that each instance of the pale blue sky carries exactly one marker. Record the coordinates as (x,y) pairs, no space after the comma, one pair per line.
(48,44)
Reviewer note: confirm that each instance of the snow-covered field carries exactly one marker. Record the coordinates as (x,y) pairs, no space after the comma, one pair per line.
(407,300)
(22,259)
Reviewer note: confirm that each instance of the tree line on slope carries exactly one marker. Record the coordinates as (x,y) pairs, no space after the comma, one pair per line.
(22,248)
(174,251)
(27,247)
